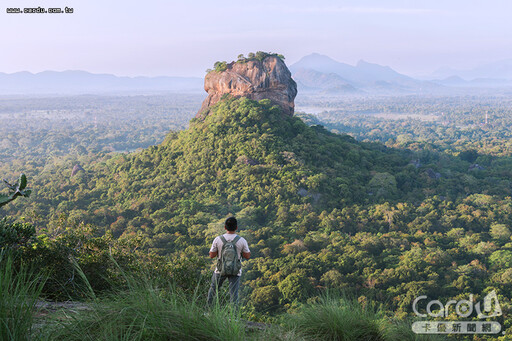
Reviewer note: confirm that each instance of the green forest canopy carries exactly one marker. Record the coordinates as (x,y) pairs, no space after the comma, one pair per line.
(318,209)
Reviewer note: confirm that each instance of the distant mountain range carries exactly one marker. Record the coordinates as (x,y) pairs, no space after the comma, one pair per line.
(73,82)
(500,72)
(456,81)
(322,74)
(314,74)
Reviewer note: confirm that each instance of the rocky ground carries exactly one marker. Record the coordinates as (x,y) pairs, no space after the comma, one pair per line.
(59,311)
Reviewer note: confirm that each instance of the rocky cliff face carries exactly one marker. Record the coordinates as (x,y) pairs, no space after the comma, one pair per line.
(255,79)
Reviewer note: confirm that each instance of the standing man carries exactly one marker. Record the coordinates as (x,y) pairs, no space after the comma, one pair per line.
(229,250)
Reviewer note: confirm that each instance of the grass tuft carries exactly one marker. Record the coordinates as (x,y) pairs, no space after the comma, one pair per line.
(341,319)
(335,318)
(19,291)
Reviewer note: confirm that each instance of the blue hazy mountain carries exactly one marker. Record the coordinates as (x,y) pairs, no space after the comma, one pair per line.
(309,80)
(76,82)
(452,81)
(311,70)
(499,71)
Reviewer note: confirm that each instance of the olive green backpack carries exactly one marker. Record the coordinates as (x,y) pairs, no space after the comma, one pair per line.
(229,264)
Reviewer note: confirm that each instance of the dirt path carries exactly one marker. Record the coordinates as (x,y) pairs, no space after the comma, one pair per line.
(60,311)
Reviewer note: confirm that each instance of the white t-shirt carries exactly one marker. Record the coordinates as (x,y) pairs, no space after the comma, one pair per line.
(241,246)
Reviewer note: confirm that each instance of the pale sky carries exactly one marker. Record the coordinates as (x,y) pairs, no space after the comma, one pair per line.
(183,38)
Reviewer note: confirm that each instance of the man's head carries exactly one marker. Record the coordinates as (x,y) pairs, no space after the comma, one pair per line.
(231,224)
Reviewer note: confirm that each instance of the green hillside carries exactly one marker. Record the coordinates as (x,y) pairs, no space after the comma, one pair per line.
(244,159)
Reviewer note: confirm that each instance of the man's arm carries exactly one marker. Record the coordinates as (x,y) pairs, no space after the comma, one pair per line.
(214,251)
(246,253)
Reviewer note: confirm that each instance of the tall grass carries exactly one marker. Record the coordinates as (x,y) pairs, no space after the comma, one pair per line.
(19,290)
(341,319)
(147,312)
(335,318)
(279,333)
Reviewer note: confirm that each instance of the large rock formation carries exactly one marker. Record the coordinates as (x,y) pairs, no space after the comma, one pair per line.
(256,79)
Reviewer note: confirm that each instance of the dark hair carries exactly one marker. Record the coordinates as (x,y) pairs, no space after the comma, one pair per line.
(231,224)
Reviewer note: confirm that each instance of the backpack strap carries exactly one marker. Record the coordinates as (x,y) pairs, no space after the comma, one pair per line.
(234,241)
(237,238)
(224,241)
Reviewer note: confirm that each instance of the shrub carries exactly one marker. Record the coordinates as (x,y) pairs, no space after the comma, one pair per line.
(15,235)
(220,66)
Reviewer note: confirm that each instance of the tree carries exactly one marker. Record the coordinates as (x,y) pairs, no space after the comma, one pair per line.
(332,279)
(500,232)
(383,185)
(220,66)
(260,55)
(265,299)
(501,259)
(296,286)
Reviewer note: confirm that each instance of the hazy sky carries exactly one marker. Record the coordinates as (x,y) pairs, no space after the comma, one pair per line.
(180,38)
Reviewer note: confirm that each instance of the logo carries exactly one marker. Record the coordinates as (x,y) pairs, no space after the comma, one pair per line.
(463,308)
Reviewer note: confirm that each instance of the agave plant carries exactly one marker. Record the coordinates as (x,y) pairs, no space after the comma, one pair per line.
(19,189)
